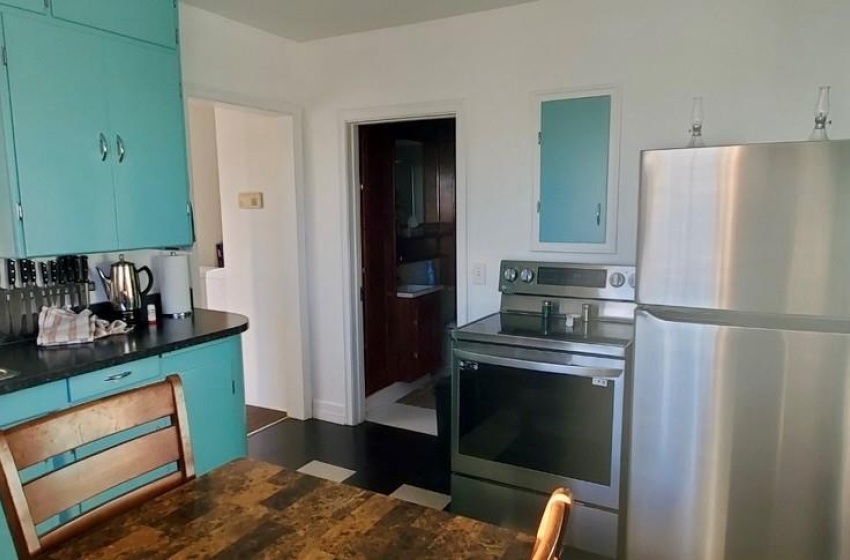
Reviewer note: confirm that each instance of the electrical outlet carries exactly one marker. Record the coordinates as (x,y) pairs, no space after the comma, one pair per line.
(479,274)
(250,200)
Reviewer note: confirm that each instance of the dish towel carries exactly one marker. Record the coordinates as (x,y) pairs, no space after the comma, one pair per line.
(59,326)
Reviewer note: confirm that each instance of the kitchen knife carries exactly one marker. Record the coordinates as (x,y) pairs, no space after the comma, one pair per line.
(24,271)
(44,268)
(9,326)
(84,268)
(38,300)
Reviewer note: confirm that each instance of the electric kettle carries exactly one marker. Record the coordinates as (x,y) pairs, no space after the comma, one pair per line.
(122,288)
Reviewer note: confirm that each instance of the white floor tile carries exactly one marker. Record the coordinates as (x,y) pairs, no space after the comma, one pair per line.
(406,417)
(326,471)
(422,497)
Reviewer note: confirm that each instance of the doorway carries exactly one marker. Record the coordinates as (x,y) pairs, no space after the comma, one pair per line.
(244,192)
(408,250)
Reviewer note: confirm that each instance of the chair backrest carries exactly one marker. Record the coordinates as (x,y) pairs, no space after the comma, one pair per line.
(553,526)
(31,502)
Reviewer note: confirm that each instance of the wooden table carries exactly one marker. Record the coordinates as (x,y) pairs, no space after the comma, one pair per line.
(253,510)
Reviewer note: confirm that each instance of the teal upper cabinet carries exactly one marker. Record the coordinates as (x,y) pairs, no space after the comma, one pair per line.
(146,116)
(576,175)
(154,21)
(61,132)
(93,144)
(32,5)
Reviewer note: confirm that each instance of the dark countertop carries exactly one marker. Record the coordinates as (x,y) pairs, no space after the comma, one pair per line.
(37,366)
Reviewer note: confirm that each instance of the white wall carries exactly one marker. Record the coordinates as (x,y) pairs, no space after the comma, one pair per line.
(255,153)
(206,199)
(756,63)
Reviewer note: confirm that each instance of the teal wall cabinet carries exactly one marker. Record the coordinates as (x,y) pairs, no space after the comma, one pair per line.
(146,116)
(576,176)
(215,398)
(60,128)
(94,133)
(39,6)
(154,21)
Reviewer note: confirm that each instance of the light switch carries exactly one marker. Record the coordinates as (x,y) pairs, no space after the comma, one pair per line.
(479,274)
(250,200)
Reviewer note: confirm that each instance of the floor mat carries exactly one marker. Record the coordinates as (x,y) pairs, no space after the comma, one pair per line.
(423,397)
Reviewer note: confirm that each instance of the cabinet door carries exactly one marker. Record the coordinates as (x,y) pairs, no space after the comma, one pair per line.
(58,102)
(146,118)
(32,5)
(148,20)
(212,383)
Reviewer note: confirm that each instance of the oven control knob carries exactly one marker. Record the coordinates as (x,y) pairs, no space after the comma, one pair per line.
(618,280)
(526,275)
(510,274)
(632,281)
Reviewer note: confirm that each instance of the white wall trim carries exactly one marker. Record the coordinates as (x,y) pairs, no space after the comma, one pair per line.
(299,387)
(329,412)
(355,408)
(613,194)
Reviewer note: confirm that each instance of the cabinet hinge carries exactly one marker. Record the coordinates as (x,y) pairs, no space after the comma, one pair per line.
(538,206)
(47,5)
(20,212)
(361,187)
(233,386)
(5,56)
(539,138)
(177,36)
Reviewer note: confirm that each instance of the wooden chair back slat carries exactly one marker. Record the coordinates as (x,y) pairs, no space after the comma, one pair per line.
(28,503)
(67,487)
(552,530)
(53,435)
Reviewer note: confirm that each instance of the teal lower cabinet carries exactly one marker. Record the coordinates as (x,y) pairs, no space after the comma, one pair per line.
(14,409)
(215,399)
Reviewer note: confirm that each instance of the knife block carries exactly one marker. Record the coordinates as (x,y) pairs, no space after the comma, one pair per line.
(20,307)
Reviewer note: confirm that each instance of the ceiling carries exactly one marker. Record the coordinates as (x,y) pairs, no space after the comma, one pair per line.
(305,20)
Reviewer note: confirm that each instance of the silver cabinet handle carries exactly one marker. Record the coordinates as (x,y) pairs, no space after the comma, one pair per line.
(121,150)
(104,147)
(119,376)
(599,214)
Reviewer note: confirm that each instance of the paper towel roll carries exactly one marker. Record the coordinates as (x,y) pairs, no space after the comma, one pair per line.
(174,284)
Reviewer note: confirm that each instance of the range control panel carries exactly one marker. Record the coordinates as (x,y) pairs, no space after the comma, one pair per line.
(611,282)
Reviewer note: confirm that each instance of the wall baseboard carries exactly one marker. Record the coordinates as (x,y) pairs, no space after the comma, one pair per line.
(329,412)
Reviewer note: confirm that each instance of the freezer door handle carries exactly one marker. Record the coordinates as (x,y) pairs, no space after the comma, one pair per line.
(538,365)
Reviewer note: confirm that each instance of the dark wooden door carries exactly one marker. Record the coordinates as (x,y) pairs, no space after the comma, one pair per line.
(377,235)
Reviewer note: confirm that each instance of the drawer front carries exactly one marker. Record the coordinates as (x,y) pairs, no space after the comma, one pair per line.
(29,403)
(112,380)
(154,21)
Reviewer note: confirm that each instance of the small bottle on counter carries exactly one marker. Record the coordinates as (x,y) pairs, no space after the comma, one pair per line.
(151,314)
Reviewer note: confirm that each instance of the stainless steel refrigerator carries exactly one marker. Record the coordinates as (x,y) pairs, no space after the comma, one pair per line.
(740,443)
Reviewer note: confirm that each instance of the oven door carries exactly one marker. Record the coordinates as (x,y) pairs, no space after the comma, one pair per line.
(537,419)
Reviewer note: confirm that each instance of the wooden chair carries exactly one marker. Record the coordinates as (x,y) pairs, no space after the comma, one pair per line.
(29,503)
(553,526)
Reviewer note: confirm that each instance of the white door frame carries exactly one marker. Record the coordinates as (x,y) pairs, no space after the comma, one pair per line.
(299,388)
(355,404)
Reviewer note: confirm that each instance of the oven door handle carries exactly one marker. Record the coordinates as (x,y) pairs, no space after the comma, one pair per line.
(537,365)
